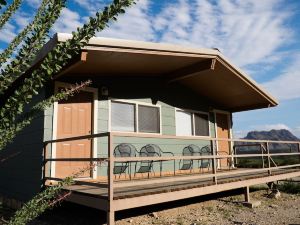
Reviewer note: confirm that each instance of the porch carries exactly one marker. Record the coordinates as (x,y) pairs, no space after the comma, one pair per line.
(249,162)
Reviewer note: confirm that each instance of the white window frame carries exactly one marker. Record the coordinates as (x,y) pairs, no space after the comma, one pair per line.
(136,119)
(193,121)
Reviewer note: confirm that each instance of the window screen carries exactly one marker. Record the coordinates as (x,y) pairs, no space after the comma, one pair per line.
(201,124)
(183,123)
(122,116)
(149,121)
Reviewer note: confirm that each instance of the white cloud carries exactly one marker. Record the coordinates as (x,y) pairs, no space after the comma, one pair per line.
(33,3)
(247,32)
(135,24)
(91,6)
(22,19)
(67,22)
(7,33)
(176,24)
(286,85)
(267,127)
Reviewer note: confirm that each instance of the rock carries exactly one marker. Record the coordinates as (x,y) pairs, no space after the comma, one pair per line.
(275,194)
(252,204)
(154,215)
(273,206)
(130,221)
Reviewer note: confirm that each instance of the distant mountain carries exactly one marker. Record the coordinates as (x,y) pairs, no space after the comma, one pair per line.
(280,135)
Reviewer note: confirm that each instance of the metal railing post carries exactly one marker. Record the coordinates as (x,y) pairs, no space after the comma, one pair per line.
(269,160)
(299,149)
(110,210)
(262,155)
(214,163)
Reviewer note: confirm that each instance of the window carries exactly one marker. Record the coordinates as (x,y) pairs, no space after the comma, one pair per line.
(149,119)
(201,124)
(184,123)
(192,123)
(122,116)
(132,117)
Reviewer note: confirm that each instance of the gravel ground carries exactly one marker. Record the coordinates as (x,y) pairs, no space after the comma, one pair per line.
(227,210)
(214,210)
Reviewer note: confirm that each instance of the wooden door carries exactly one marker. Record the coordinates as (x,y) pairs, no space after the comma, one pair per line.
(223,131)
(74,119)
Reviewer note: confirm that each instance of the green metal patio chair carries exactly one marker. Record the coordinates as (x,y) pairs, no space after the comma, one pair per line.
(191,150)
(146,166)
(124,150)
(205,163)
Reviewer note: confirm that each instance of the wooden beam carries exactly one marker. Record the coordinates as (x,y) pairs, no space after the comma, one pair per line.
(192,70)
(82,58)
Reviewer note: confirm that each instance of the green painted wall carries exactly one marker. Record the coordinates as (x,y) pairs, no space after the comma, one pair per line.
(21,174)
(21,170)
(169,98)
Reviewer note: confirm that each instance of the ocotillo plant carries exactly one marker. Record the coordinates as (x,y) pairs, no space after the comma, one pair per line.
(16,61)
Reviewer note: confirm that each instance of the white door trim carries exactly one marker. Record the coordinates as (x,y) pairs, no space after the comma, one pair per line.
(58,85)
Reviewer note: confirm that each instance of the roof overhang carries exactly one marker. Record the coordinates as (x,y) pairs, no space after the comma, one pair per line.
(205,71)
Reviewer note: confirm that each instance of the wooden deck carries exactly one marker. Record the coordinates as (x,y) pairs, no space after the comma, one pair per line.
(100,190)
(115,195)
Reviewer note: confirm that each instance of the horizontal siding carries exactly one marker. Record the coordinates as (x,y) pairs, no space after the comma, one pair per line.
(21,170)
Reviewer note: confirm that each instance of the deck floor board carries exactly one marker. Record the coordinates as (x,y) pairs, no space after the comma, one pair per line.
(98,191)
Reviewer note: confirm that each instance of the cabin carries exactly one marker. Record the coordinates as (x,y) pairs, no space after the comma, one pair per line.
(154,126)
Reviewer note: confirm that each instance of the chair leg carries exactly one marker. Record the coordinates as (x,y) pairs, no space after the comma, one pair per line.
(160,168)
(129,169)
(174,169)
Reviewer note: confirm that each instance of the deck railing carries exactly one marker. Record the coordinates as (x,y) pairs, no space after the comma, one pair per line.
(237,156)
(263,149)
(264,153)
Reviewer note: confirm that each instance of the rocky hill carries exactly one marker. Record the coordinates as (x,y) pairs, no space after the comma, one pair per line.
(281,135)
(278,135)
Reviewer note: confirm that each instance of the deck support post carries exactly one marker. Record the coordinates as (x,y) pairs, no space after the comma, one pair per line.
(44,163)
(214,163)
(269,160)
(247,194)
(110,209)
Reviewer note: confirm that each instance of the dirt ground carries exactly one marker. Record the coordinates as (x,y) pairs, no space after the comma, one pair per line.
(225,208)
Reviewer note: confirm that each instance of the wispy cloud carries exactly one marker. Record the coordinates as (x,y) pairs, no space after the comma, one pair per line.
(67,22)
(135,24)
(287,85)
(91,6)
(7,33)
(266,127)
(248,31)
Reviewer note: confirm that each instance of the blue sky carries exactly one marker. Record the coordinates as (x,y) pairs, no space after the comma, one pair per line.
(260,37)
